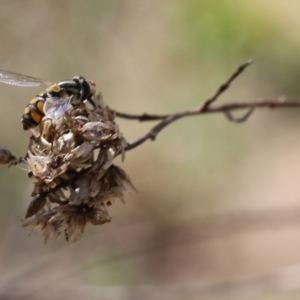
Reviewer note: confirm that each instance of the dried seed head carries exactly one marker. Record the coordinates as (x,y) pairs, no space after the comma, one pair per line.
(70,162)
(6,157)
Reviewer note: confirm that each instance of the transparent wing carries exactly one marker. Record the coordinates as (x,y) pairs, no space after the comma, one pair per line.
(56,107)
(21,80)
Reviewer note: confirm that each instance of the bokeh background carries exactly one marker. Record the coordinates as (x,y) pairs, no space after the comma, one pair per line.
(217,215)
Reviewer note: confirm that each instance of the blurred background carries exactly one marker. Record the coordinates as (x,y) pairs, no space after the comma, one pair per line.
(217,215)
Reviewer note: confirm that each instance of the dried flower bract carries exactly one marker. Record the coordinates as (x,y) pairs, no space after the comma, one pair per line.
(70,162)
(7,158)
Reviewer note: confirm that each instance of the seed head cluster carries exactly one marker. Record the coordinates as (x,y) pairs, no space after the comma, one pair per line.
(70,163)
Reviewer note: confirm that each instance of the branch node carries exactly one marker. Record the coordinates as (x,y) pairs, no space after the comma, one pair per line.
(225,85)
(152,136)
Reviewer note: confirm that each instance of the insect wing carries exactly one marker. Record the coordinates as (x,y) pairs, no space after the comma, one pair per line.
(20,80)
(54,108)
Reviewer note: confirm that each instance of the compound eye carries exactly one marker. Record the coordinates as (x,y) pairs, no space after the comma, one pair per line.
(54,108)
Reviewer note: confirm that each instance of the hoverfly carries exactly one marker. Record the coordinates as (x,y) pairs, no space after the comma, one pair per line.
(55,100)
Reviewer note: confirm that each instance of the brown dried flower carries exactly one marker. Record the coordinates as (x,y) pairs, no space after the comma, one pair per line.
(70,162)
(7,158)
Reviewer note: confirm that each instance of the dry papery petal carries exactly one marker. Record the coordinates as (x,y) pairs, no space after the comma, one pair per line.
(6,157)
(67,220)
(70,162)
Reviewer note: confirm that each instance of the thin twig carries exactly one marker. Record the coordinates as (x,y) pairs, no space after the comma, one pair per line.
(202,108)
(244,118)
(223,87)
(262,103)
(206,107)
